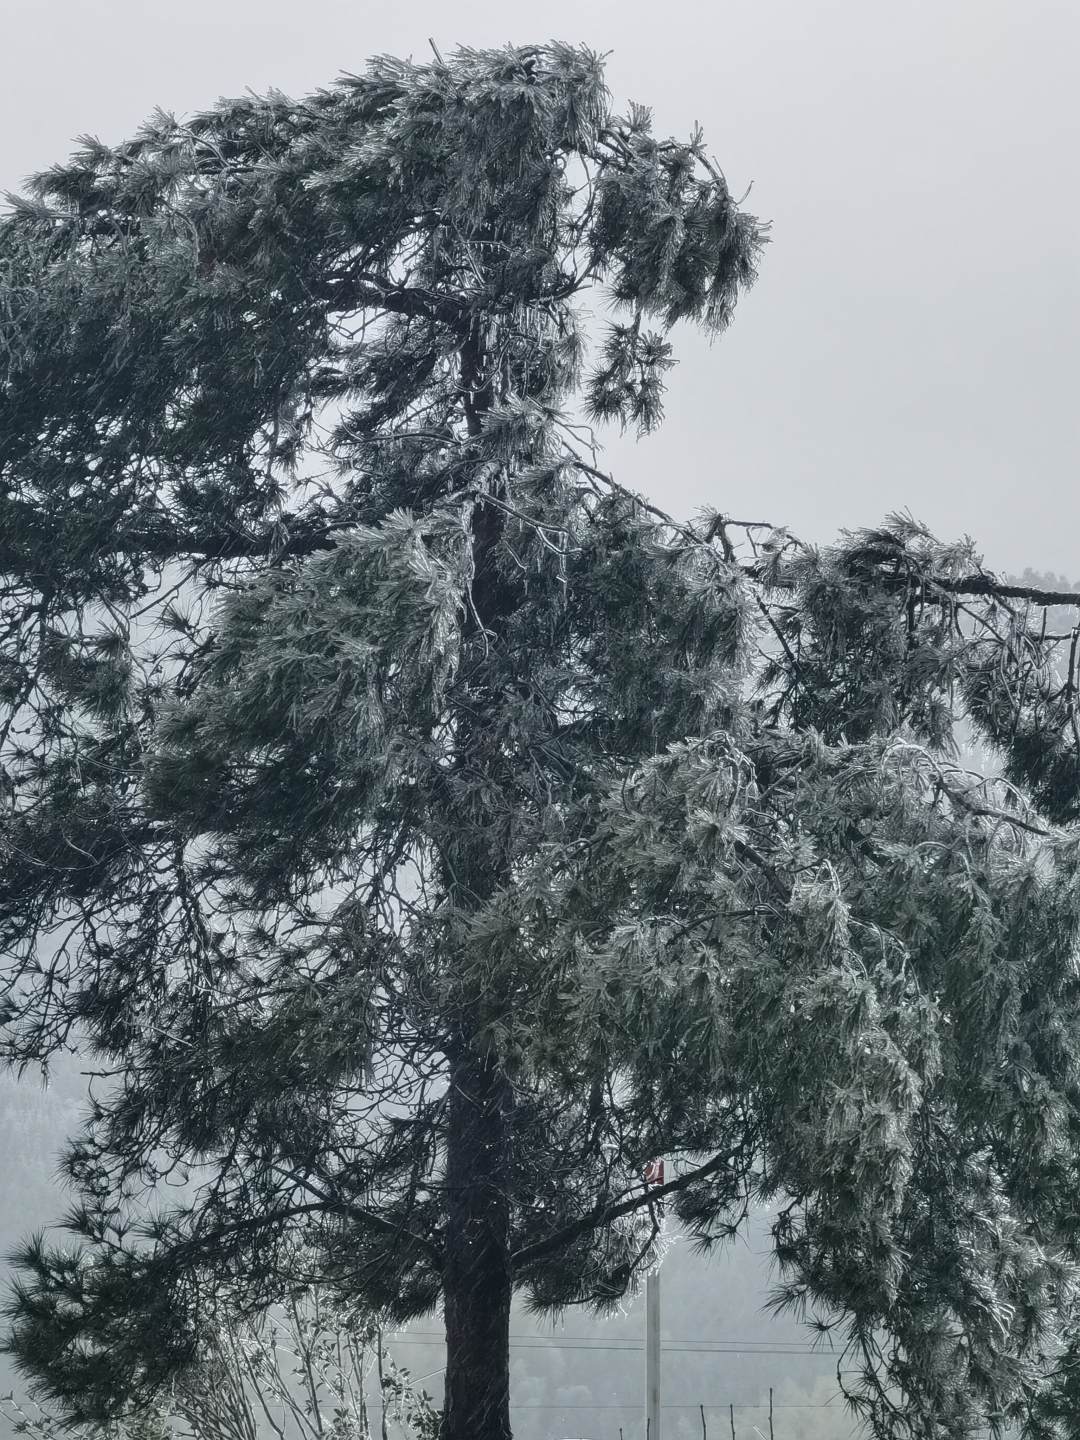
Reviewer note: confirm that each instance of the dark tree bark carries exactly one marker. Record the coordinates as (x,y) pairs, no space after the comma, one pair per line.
(477,1271)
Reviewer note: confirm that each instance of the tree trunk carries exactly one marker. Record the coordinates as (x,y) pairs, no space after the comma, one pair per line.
(476,1276)
(476,1269)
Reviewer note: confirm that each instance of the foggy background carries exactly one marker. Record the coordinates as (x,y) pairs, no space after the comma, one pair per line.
(912,343)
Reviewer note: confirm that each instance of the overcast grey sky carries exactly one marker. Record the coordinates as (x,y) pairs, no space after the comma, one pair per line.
(913,340)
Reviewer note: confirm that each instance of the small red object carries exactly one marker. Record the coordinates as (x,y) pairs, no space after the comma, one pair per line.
(653,1174)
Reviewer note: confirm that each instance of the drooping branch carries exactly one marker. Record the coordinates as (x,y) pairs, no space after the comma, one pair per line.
(980,583)
(606,1213)
(995,589)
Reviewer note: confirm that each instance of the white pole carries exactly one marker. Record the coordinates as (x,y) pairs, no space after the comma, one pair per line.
(652,1355)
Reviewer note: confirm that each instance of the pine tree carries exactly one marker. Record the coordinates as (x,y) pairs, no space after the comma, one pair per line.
(422,832)
(310,1368)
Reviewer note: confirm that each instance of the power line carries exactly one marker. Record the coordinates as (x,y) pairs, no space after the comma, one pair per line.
(583,1342)
(636,1405)
(586,1343)
(619,1339)
(668,1350)
(636,1349)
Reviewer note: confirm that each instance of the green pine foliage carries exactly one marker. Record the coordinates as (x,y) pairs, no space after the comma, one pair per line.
(308,1368)
(423,832)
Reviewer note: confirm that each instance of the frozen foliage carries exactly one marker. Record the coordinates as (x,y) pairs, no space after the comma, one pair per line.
(307,1370)
(422,832)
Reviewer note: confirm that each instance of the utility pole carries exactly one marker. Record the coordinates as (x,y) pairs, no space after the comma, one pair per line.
(653,1174)
(652,1355)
